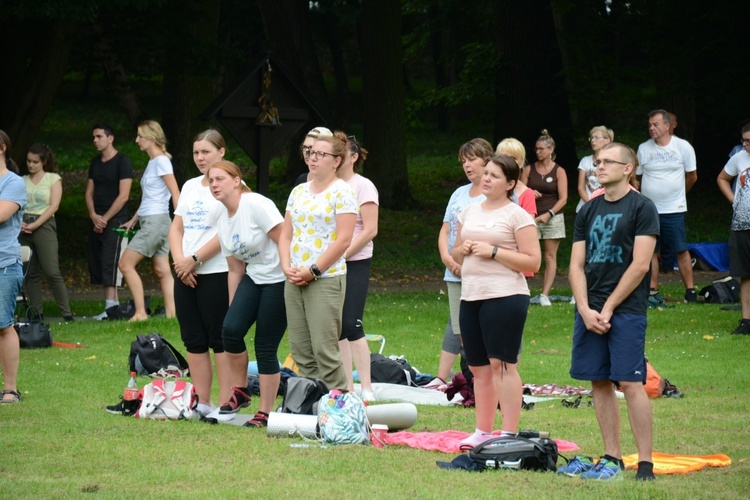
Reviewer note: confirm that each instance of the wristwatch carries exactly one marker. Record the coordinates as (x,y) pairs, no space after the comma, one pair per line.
(315,271)
(195,258)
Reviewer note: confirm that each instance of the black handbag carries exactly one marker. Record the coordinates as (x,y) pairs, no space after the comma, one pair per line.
(33,333)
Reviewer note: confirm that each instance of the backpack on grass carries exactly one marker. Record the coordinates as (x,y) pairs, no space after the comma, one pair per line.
(154,356)
(393,370)
(516,453)
(302,394)
(722,291)
(342,419)
(167,400)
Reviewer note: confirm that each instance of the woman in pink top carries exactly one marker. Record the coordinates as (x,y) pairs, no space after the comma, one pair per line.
(496,244)
(352,342)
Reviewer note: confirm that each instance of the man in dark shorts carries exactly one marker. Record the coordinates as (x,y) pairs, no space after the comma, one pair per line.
(107,194)
(614,239)
(738,167)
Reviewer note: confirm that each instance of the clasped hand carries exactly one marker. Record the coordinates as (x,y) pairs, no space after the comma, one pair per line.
(477,248)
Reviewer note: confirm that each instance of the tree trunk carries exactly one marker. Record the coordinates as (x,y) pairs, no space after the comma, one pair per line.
(189,79)
(527,87)
(31,78)
(385,102)
(115,75)
(287,28)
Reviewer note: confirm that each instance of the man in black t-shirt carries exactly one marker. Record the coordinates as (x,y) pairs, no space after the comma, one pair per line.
(614,239)
(107,193)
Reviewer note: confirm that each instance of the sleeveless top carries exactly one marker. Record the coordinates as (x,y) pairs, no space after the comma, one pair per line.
(547,185)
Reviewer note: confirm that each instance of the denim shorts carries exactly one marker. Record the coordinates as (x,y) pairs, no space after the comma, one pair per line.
(11,281)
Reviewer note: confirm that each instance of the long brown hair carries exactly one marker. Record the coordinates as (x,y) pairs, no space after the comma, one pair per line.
(9,163)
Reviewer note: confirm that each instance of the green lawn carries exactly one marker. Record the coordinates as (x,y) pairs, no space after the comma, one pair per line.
(60,442)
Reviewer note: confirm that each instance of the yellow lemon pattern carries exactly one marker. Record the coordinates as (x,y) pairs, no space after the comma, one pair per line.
(314,222)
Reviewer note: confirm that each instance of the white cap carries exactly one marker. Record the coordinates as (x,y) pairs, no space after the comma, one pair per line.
(320,132)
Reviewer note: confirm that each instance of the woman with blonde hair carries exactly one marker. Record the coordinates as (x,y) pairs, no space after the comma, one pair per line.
(522,195)
(249,229)
(599,137)
(158,185)
(550,184)
(200,290)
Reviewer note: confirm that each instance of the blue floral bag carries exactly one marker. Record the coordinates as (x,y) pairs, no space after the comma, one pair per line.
(342,419)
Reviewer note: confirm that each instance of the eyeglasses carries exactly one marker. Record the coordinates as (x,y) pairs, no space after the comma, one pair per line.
(319,155)
(305,150)
(608,163)
(745,141)
(595,137)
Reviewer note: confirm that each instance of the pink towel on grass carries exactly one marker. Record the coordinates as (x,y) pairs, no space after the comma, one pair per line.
(448,441)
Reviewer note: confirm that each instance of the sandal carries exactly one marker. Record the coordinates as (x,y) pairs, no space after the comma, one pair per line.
(259,420)
(15,399)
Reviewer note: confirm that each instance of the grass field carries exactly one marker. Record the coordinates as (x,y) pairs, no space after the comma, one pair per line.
(59,442)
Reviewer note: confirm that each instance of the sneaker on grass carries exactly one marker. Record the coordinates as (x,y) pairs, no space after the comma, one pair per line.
(577,466)
(691,296)
(656,301)
(240,399)
(544,300)
(743,328)
(604,470)
(115,409)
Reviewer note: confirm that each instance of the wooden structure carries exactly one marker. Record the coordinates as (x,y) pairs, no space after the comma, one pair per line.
(262,113)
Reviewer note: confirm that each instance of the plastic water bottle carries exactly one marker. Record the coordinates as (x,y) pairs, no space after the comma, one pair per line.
(130,396)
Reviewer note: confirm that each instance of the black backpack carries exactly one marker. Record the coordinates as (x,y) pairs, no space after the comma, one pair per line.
(722,291)
(516,453)
(301,395)
(391,371)
(154,356)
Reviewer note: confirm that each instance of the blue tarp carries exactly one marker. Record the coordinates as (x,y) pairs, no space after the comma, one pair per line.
(716,255)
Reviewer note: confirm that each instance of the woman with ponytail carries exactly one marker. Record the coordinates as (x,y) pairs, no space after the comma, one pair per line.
(39,228)
(158,185)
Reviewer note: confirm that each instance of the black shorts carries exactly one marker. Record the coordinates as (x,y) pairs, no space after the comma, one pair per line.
(493,328)
(104,254)
(739,254)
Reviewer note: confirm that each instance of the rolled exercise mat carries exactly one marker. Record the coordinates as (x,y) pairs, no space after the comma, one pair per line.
(397,416)
(290,425)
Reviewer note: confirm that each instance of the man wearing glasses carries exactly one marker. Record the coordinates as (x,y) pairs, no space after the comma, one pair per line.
(613,242)
(667,171)
(738,167)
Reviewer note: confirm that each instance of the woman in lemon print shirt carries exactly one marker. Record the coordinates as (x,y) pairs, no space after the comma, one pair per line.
(317,230)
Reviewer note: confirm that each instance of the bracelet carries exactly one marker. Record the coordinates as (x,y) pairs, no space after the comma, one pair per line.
(551,212)
(494,252)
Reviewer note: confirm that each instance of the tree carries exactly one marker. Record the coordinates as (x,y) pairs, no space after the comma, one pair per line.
(384,101)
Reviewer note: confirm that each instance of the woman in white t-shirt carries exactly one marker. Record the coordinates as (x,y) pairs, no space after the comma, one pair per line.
(496,244)
(249,229)
(158,185)
(317,230)
(599,137)
(352,343)
(200,290)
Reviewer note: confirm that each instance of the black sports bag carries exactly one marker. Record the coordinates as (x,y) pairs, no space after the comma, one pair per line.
(516,453)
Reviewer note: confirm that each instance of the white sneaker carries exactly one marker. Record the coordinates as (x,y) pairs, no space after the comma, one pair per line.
(368,395)
(100,317)
(475,440)
(573,300)
(544,300)
(203,410)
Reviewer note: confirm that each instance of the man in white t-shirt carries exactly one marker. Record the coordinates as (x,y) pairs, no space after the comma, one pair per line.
(738,167)
(666,173)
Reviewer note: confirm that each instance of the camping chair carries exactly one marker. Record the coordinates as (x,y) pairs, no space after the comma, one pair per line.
(374,337)
(25,259)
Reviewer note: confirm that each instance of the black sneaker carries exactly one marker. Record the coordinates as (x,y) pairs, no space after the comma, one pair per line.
(743,328)
(691,297)
(115,409)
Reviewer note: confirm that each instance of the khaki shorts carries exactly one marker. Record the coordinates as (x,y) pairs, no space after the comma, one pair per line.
(152,239)
(552,230)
